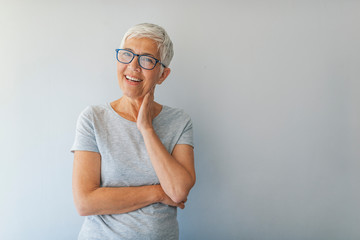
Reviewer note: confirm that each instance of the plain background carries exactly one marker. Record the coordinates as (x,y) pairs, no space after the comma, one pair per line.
(272,87)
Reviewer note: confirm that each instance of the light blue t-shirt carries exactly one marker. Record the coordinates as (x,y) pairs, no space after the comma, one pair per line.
(125,162)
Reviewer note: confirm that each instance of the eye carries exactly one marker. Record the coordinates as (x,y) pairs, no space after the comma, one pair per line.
(148,60)
(124,56)
(125,53)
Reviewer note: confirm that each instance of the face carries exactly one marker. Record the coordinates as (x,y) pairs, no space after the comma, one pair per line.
(135,82)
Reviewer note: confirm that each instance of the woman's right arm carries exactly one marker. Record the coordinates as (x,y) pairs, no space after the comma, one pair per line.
(91,199)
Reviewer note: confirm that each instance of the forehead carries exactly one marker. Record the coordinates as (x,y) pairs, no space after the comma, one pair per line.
(142,46)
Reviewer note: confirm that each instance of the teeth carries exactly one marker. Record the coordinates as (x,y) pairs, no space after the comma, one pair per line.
(133,79)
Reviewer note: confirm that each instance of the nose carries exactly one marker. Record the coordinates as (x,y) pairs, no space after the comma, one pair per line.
(134,64)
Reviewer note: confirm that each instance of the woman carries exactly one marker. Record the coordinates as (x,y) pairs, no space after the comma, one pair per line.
(133,158)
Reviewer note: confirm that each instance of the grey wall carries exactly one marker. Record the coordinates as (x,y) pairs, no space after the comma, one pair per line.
(272,87)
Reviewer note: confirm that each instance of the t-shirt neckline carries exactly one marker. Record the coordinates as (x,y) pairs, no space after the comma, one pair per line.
(127,120)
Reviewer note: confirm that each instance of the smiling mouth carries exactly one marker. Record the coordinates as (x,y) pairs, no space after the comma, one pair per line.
(132,79)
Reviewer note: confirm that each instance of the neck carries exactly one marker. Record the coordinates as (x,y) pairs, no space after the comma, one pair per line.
(129,108)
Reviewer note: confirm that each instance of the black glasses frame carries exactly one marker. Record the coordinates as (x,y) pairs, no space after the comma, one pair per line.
(139,56)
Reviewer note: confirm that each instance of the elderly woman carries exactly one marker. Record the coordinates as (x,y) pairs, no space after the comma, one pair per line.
(133,157)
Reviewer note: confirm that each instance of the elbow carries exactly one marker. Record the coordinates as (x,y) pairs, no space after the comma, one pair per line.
(83,211)
(83,206)
(180,195)
(178,198)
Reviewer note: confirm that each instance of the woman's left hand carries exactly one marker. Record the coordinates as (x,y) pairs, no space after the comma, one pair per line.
(145,115)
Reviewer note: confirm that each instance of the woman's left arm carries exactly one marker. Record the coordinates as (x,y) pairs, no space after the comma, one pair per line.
(176,171)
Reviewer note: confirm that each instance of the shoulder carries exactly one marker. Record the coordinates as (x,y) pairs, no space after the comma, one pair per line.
(94,111)
(171,117)
(174,113)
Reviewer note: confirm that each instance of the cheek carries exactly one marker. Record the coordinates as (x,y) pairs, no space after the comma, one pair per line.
(120,68)
(120,73)
(155,76)
(154,80)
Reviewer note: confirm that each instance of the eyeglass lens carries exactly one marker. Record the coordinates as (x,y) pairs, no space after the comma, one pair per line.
(146,62)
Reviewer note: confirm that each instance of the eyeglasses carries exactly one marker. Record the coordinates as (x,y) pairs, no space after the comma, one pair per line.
(145,61)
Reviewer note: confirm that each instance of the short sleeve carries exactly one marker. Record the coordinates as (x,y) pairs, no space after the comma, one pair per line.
(186,136)
(85,139)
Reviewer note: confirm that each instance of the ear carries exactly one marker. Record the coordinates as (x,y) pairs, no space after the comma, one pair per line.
(164,75)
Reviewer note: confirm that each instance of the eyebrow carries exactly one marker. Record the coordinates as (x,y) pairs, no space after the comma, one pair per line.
(147,54)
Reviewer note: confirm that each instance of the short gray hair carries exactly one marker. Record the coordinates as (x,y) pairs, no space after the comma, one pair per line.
(156,33)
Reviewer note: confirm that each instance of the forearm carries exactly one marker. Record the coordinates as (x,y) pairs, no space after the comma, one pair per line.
(105,200)
(175,180)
